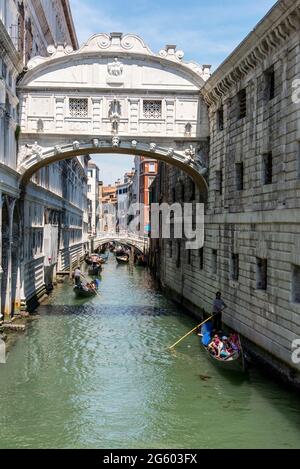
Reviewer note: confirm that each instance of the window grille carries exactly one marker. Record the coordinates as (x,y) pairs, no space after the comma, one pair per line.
(214,261)
(201,258)
(78,107)
(239,176)
(220,118)
(269,83)
(219,181)
(178,254)
(152,109)
(296,284)
(242,101)
(261,273)
(267,168)
(234,267)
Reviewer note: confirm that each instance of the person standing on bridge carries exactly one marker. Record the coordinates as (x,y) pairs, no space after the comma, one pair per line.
(218,308)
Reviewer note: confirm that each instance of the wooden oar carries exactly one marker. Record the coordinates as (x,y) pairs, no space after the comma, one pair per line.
(186,335)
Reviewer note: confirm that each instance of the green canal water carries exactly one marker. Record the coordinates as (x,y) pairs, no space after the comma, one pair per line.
(96,374)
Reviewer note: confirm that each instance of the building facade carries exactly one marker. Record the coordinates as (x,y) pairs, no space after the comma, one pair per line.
(252,229)
(49,216)
(109,203)
(123,201)
(147,174)
(93,199)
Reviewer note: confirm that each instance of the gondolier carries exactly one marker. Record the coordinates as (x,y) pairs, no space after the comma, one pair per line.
(218,308)
(77,275)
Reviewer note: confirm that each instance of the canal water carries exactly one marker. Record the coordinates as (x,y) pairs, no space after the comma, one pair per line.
(97,374)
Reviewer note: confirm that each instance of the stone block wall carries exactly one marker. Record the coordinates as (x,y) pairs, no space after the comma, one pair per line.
(252,223)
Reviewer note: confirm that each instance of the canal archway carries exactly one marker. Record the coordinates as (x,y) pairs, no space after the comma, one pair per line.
(138,243)
(114,95)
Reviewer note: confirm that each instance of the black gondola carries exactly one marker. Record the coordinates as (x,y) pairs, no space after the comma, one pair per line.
(88,259)
(122,259)
(95,270)
(104,257)
(233,362)
(80,292)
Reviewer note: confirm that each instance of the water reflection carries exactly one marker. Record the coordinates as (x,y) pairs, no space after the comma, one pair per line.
(98,374)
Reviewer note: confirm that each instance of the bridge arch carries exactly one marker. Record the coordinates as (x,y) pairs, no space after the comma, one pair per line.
(138,244)
(114,95)
(37,159)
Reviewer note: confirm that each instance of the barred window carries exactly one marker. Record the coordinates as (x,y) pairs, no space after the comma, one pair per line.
(220,118)
(239,176)
(261,273)
(269,76)
(234,267)
(152,109)
(267,168)
(242,103)
(214,261)
(296,284)
(78,107)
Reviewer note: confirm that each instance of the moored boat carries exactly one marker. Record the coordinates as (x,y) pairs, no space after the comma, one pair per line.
(104,257)
(141,261)
(90,258)
(122,259)
(95,269)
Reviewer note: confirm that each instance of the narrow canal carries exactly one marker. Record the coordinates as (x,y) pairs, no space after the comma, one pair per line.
(96,374)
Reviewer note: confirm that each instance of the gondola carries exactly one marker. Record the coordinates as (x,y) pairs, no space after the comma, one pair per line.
(234,362)
(95,270)
(104,257)
(122,259)
(81,293)
(88,260)
(141,261)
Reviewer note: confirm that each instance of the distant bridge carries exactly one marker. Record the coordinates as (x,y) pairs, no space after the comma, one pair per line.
(126,239)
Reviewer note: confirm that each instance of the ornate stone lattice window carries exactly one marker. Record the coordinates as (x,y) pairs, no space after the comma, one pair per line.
(78,107)
(152,109)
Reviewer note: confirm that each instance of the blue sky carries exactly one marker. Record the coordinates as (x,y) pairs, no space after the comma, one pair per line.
(206,30)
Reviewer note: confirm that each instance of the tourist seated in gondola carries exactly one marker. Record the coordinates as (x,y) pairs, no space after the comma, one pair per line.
(215,345)
(226,349)
(96,282)
(95,261)
(84,285)
(234,342)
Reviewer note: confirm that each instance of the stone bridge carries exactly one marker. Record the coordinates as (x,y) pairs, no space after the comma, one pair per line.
(114,95)
(138,242)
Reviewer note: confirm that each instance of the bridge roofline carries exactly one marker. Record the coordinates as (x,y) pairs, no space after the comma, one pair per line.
(108,45)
